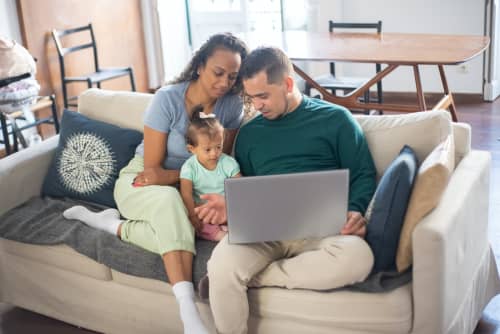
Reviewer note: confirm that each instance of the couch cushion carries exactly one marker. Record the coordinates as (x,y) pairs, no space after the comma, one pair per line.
(385,134)
(142,282)
(462,140)
(387,209)
(60,256)
(389,312)
(88,159)
(432,178)
(109,107)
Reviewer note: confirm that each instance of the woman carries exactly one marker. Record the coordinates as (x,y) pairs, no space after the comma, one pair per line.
(145,191)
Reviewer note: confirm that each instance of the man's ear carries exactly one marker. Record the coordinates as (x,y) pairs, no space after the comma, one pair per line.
(289,83)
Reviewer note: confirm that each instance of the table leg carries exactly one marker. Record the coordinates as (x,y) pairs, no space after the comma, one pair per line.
(420,92)
(351,100)
(450,103)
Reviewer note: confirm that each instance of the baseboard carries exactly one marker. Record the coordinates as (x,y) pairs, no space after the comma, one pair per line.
(431,98)
(491,90)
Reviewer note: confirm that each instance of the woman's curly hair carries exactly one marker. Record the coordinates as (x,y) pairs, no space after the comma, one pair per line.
(218,41)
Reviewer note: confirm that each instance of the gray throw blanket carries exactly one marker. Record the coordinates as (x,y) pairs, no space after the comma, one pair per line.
(40,221)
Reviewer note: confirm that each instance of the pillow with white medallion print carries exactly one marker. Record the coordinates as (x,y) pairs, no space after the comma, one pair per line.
(88,159)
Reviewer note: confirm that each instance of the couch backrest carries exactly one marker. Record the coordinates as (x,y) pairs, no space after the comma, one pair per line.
(385,134)
(122,108)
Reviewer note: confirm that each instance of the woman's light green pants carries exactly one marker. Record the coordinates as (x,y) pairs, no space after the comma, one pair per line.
(156,216)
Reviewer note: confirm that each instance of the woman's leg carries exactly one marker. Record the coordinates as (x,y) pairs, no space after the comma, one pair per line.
(157,221)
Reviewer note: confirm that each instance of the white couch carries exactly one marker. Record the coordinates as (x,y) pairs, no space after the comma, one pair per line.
(454,272)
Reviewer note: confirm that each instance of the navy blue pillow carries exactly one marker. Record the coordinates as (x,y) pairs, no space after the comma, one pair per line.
(88,159)
(387,210)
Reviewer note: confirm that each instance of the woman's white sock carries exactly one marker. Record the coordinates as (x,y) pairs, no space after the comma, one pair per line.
(184,293)
(107,220)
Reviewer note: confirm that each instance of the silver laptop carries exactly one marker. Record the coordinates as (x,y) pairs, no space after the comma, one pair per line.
(286,206)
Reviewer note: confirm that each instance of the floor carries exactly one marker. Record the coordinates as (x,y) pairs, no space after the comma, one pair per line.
(485,121)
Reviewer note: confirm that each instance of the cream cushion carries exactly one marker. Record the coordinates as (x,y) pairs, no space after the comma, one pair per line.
(387,134)
(432,179)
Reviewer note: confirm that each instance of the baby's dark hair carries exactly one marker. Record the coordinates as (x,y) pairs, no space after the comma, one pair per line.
(206,126)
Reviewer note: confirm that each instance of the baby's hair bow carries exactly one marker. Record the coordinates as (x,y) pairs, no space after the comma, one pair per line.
(203,115)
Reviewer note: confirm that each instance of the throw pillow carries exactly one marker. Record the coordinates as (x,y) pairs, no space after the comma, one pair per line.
(88,159)
(432,178)
(387,209)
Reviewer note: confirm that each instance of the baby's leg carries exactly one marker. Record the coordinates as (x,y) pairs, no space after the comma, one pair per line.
(211,232)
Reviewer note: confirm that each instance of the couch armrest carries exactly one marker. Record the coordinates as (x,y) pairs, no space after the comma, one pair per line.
(22,173)
(452,271)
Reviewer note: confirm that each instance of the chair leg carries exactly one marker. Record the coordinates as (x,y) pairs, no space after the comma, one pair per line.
(132,82)
(54,112)
(5,133)
(65,94)
(15,144)
(379,92)
(99,85)
(366,97)
(307,89)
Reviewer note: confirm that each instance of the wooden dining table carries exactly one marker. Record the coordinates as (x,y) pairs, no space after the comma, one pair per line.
(391,49)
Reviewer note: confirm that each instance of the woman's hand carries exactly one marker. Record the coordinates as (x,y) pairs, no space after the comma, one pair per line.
(156,176)
(213,211)
(355,225)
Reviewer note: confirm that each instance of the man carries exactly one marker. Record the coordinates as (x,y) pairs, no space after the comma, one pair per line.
(294,133)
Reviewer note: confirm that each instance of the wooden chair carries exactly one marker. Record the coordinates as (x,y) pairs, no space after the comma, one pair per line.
(332,82)
(95,78)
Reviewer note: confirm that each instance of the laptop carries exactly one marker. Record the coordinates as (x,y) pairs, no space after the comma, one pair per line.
(286,206)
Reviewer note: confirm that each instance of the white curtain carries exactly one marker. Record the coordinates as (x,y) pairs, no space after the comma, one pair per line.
(166,38)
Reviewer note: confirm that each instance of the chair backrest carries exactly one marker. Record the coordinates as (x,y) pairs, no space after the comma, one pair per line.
(62,51)
(376,27)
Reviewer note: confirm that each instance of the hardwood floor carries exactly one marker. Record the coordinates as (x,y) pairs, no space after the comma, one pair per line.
(484,119)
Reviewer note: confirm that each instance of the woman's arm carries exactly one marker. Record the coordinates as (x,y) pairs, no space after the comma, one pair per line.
(229,135)
(155,145)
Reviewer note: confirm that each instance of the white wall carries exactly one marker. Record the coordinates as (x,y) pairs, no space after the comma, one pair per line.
(418,16)
(492,68)
(9,23)
(461,17)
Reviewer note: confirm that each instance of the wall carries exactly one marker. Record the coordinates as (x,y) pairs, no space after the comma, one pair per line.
(118,31)
(9,24)
(462,17)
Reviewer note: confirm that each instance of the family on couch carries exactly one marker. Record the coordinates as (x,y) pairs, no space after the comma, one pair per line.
(307,135)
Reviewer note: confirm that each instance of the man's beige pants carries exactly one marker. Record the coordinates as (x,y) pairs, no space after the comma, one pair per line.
(317,264)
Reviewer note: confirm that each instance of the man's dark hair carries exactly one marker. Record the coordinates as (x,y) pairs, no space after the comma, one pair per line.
(270,59)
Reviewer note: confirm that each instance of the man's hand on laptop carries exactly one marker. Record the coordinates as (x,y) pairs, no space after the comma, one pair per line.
(355,225)
(214,210)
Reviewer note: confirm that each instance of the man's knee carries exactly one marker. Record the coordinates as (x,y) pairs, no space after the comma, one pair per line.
(230,262)
(354,252)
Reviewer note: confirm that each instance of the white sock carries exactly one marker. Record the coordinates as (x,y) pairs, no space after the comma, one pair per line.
(107,220)
(184,293)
